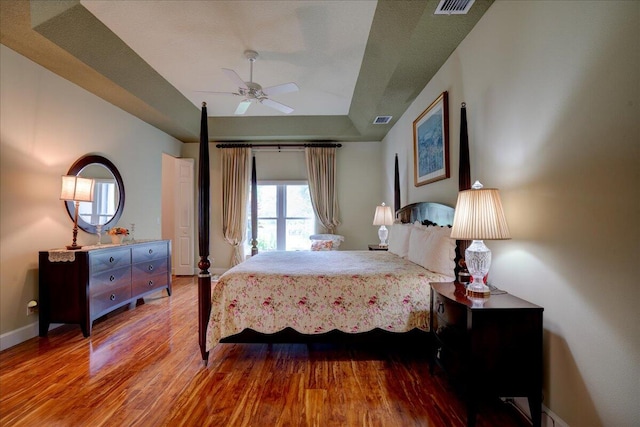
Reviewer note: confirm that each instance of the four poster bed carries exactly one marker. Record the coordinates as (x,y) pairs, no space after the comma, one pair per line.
(314,293)
(307,296)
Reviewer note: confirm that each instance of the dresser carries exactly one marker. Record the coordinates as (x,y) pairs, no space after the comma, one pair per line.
(81,286)
(489,350)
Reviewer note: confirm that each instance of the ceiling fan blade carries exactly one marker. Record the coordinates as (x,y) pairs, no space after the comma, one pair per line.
(242,107)
(233,76)
(218,93)
(283,88)
(278,106)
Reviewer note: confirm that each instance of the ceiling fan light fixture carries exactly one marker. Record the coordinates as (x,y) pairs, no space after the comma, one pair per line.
(252,91)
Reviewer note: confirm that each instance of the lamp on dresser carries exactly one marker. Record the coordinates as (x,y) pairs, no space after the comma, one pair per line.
(479,216)
(77,189)
(383,217)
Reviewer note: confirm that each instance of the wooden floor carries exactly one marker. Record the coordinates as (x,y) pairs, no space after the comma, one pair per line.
(142,367)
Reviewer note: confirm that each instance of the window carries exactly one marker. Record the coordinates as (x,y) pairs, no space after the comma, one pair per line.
(285,217)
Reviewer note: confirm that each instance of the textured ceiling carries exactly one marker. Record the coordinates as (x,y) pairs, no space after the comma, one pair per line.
(353,60)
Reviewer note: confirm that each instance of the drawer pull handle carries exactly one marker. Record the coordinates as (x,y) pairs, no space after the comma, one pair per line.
(112,297)
(150,251)
(111,259)
(112,278)
(150,268)
(440,308)
(150,282)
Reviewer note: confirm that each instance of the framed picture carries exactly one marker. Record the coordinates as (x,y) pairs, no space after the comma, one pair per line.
(431,143)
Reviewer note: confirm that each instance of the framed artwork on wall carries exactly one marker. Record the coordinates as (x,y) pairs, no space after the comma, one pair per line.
(431,143)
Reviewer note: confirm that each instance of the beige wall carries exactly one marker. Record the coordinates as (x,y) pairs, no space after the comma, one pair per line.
(553,95)
(358,177)
(46,124)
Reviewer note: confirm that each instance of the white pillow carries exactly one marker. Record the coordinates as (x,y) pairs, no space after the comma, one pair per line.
(441,251)
(399,239)
(434,249)
(418,245)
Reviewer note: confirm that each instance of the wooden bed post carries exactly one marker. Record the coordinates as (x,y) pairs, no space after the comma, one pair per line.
(464,172)
(204,277)
(254,208)
(396,188)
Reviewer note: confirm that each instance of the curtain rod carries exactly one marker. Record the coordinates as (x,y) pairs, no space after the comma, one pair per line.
(279,146)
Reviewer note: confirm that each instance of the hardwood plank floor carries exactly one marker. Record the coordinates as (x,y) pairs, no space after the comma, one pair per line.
(142,367)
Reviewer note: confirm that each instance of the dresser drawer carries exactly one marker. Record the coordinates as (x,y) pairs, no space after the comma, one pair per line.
(142,285)
(452,335)
(451,360)
(454,315)
(103,281)
(142,253)
(142,270)
(102,303)
(107,259)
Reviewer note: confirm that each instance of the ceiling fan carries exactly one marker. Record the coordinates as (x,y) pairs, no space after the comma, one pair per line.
(253,92)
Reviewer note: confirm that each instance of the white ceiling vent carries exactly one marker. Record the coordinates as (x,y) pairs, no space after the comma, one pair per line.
(453,7)
(382,120)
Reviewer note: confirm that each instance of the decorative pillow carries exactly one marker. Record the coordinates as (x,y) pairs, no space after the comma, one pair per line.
(399,239)
(433,248)
(321,245)
(336,238)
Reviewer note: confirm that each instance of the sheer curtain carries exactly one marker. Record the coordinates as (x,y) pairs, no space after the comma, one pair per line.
(235,193)
(321,170)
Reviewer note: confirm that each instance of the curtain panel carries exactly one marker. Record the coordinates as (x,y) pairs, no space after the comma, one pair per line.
(236,172)
(321,171)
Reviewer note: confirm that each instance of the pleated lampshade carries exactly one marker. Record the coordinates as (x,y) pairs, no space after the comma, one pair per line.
(383,215)
(479,215)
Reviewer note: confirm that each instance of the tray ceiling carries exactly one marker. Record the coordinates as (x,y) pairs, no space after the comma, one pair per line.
(353,60)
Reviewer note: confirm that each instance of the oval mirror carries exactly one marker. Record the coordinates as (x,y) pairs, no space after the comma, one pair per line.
(108,194)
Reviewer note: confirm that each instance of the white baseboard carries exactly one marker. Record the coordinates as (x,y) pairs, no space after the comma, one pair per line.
(20,335)
(549,418)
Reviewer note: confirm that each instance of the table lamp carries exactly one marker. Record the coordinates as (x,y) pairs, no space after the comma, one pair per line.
(383,217)
(479,216)
(76,189)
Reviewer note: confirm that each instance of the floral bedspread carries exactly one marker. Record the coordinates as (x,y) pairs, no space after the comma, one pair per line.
(316,292)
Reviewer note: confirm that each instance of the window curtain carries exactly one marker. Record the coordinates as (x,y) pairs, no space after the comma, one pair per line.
(321,171)
(235,193)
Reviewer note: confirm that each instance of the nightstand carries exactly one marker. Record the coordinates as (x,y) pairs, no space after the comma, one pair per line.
(489,350)
(377,247)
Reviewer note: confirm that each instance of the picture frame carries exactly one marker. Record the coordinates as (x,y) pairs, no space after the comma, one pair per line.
(431,142)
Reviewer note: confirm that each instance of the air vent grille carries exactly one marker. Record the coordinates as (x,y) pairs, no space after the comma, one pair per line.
(454,7)
(382,120)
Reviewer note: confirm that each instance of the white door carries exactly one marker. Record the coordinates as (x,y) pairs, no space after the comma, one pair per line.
(184,214)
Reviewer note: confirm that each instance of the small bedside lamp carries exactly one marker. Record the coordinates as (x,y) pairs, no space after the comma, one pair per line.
(78,190)
(383,217)
(479,216)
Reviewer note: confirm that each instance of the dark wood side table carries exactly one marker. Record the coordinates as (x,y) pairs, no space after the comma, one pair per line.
(377,247)
(490,350)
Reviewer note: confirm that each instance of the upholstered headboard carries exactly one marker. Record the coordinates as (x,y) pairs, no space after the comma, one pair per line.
(433,213)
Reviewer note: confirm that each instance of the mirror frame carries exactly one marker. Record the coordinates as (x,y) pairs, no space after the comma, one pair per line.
(75,169)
